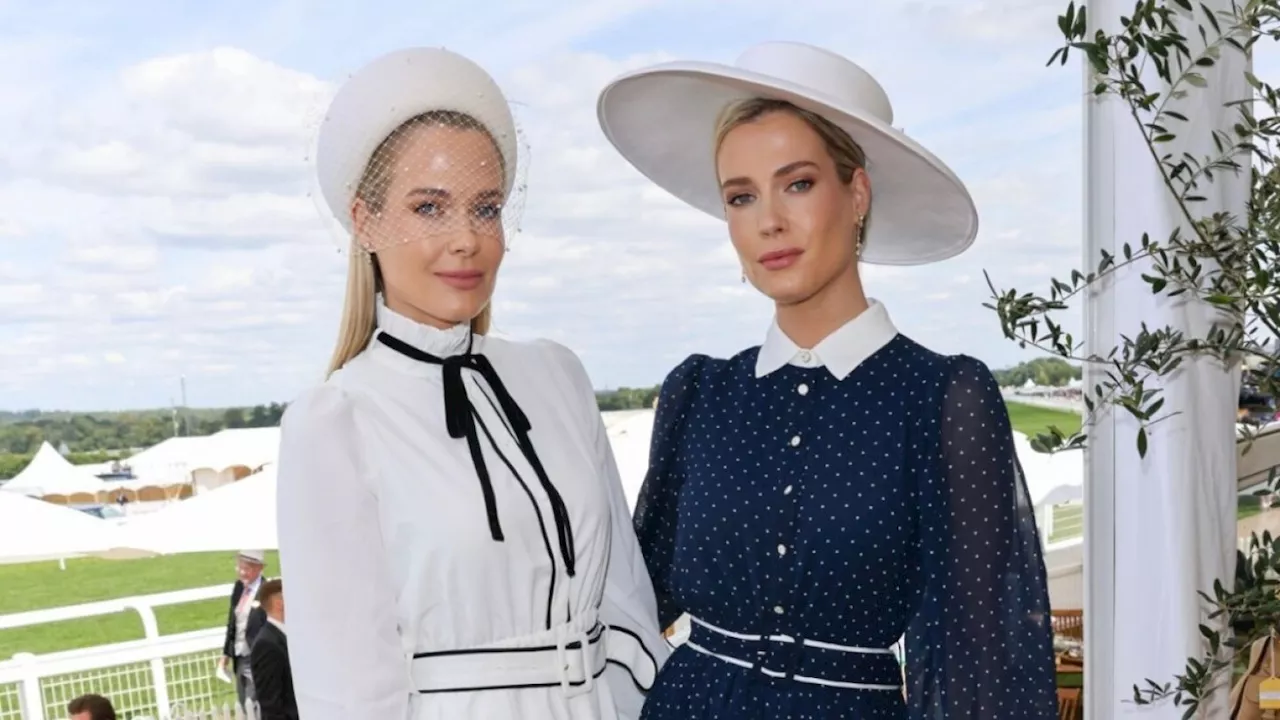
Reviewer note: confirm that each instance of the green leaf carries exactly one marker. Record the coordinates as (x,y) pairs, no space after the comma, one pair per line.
(1195,80)
(1142,443)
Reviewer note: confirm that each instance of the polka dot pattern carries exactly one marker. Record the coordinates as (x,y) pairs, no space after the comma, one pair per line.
(851,511)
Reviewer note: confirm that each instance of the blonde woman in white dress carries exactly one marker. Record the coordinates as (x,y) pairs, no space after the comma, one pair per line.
(451,521)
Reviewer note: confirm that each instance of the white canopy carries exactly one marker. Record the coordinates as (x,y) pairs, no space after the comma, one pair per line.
(173,460)
(32,530)
(164,463)
(629,435)
(50,473)
(1051,479)
(250,447)
(233,517)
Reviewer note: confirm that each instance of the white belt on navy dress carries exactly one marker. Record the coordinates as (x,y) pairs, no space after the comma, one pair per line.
(734,648)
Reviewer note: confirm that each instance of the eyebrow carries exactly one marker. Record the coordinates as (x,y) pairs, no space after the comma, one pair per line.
(784,170)
(442,194)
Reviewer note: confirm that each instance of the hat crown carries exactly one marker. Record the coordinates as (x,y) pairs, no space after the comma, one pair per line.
(833,75)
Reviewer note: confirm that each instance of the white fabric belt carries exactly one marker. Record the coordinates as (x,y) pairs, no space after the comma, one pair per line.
(573,663)
(788,639)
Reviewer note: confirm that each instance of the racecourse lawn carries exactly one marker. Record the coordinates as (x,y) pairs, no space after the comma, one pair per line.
(43,585)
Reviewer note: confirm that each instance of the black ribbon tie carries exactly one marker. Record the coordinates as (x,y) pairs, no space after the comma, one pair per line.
(460,419)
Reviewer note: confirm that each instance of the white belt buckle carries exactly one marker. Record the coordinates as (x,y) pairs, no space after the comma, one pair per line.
(564,666)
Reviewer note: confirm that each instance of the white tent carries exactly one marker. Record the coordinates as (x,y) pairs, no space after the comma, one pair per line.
(250,447)
(1051,479)
(49,473)
(173,460)
(629,436)
(33,530)
(164,463)
(232,517)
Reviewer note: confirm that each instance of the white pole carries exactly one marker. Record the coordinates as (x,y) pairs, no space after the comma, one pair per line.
(1159,529)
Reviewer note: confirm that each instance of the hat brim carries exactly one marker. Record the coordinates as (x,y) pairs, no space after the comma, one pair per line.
(662,120)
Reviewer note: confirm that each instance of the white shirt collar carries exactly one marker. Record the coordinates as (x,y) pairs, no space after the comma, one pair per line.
(276,622)
(438,342)
(840,352)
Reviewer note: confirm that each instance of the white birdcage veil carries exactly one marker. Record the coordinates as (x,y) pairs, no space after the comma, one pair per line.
(419,144)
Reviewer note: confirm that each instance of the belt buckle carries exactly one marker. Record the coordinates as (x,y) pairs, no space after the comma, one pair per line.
(562,662)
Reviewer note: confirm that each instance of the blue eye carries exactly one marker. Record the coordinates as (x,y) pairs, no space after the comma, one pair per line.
(740,199)
(428,208)
(489,212)
(797,185)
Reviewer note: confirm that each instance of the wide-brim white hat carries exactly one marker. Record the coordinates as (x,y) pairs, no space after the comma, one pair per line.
(662,120)
(392,89)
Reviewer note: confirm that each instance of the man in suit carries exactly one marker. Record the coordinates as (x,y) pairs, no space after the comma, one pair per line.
(272,674)
(244,620)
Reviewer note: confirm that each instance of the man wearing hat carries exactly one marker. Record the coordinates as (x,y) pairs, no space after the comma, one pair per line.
(244,619)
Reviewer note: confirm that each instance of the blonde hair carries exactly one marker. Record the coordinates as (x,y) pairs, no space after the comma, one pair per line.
(364,277)
(847,154)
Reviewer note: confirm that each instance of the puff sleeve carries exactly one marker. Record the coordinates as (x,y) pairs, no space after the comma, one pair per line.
(657,508)
(981,643)
(344,644)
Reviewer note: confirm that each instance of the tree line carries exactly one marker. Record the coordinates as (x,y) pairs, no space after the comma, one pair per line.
(1045,372)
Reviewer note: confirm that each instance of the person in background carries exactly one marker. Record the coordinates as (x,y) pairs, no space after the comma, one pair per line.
(269,658)
(244,620)
(90,707)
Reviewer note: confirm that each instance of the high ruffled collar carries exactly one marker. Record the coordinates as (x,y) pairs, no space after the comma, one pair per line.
(437,341)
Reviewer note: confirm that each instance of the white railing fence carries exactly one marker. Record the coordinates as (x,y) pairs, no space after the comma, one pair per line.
(160,677)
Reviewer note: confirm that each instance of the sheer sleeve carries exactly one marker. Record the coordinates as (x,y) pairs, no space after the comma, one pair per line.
(657,508)
(344,642)
(981,644)
(635,644)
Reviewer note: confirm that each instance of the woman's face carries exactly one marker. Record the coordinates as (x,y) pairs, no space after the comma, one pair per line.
(793,222)
(439,237)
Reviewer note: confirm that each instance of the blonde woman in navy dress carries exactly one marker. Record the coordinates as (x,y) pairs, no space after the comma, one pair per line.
(812,500)
(452,525)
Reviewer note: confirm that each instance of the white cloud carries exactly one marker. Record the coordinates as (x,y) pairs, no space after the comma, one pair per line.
(157,224)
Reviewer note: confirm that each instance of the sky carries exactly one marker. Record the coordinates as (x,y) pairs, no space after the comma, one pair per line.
(155,221)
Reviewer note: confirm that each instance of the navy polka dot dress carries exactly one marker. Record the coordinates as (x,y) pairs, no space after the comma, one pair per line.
(837,513)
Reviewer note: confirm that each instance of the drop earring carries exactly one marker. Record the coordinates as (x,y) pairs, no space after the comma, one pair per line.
(861,237)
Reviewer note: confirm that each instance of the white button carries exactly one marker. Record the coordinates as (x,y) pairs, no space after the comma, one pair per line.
(786,490)
(805,356)
(782,549)
(779,609)
(795,441)
(803,389)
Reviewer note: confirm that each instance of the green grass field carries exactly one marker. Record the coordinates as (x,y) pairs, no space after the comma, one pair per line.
(1031,420)
(43,585)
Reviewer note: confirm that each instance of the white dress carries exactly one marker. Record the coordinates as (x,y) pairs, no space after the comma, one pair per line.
(388,551)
